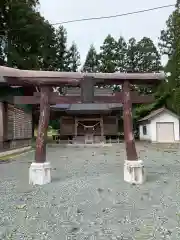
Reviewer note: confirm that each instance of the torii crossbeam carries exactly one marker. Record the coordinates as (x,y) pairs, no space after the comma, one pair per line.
(45,80)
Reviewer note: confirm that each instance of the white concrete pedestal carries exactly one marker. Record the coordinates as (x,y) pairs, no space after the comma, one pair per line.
(40,173)
(134,172)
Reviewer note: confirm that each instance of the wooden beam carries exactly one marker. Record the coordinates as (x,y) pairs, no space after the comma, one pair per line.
(29,82)
(38,94)
(54,99)
(128,124)
(87,90)
(40,155)
(54,78)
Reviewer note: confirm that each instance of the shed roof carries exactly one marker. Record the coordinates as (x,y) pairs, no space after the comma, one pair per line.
(156,113)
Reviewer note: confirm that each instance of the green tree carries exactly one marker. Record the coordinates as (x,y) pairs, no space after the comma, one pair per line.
(55,124)
(170,46)
(108,56)
(47,48)
(3,30)
(72,59)
(148,60)
(91,63)
(167,37)
(26,39)
(121,55)
(148,57)
(24,35)
(61,49)
(132,51)
(143,56)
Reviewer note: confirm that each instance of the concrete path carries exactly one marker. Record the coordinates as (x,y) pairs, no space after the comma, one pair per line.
(88,198)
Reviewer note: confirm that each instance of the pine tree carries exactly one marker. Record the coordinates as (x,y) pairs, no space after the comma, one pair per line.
(108,56)
(132,60)
(143,56)
(61,49)
(72,61)
(170,46)
(167,38)
(121,55)
(148,57)
(91,63)
(48,49)
(170,43)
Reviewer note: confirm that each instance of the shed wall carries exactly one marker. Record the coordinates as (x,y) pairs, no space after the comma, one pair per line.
(143,136)
(168,118)
(152,127)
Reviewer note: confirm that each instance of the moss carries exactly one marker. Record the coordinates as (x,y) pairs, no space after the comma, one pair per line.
(11,156)
(144,232)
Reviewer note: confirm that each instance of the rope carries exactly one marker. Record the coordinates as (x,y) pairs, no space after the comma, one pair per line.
(87,126)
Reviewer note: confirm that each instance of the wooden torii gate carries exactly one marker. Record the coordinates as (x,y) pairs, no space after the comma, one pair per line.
(45,80)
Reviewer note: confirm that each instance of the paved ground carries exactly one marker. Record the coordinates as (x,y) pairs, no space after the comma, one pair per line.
(88,198)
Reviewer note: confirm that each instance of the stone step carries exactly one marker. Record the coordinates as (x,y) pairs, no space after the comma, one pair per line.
(94,139)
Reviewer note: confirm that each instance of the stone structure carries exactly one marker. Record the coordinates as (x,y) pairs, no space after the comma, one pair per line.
(40,170)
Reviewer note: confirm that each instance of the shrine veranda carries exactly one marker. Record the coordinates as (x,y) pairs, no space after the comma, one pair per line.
(43,81)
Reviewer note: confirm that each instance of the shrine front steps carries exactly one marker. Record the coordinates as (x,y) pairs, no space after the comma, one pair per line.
(76,145)
(84,140)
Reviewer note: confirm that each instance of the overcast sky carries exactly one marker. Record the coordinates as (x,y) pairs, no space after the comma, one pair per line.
(147,24)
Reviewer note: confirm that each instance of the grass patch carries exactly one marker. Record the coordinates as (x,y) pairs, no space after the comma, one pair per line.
(9,157)
(50,132)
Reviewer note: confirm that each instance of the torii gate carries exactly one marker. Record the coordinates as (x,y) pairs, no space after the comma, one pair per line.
(39,172)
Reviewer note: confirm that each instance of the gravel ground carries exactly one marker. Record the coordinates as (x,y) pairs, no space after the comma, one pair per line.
(88,198)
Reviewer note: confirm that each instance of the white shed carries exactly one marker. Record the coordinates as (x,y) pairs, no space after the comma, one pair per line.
(161,126)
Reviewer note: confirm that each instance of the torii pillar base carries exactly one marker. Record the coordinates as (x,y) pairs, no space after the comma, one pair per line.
(134,172)
(40,170)
(40,173)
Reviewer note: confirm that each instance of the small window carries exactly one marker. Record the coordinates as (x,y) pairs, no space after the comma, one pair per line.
(144,130)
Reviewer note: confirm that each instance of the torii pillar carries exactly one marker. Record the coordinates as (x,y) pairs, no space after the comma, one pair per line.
(40,170)
(133,168)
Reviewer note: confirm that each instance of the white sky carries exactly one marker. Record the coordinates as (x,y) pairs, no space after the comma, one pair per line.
(147,24)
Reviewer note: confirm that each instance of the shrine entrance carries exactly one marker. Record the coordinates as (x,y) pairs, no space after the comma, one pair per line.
(89,130)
